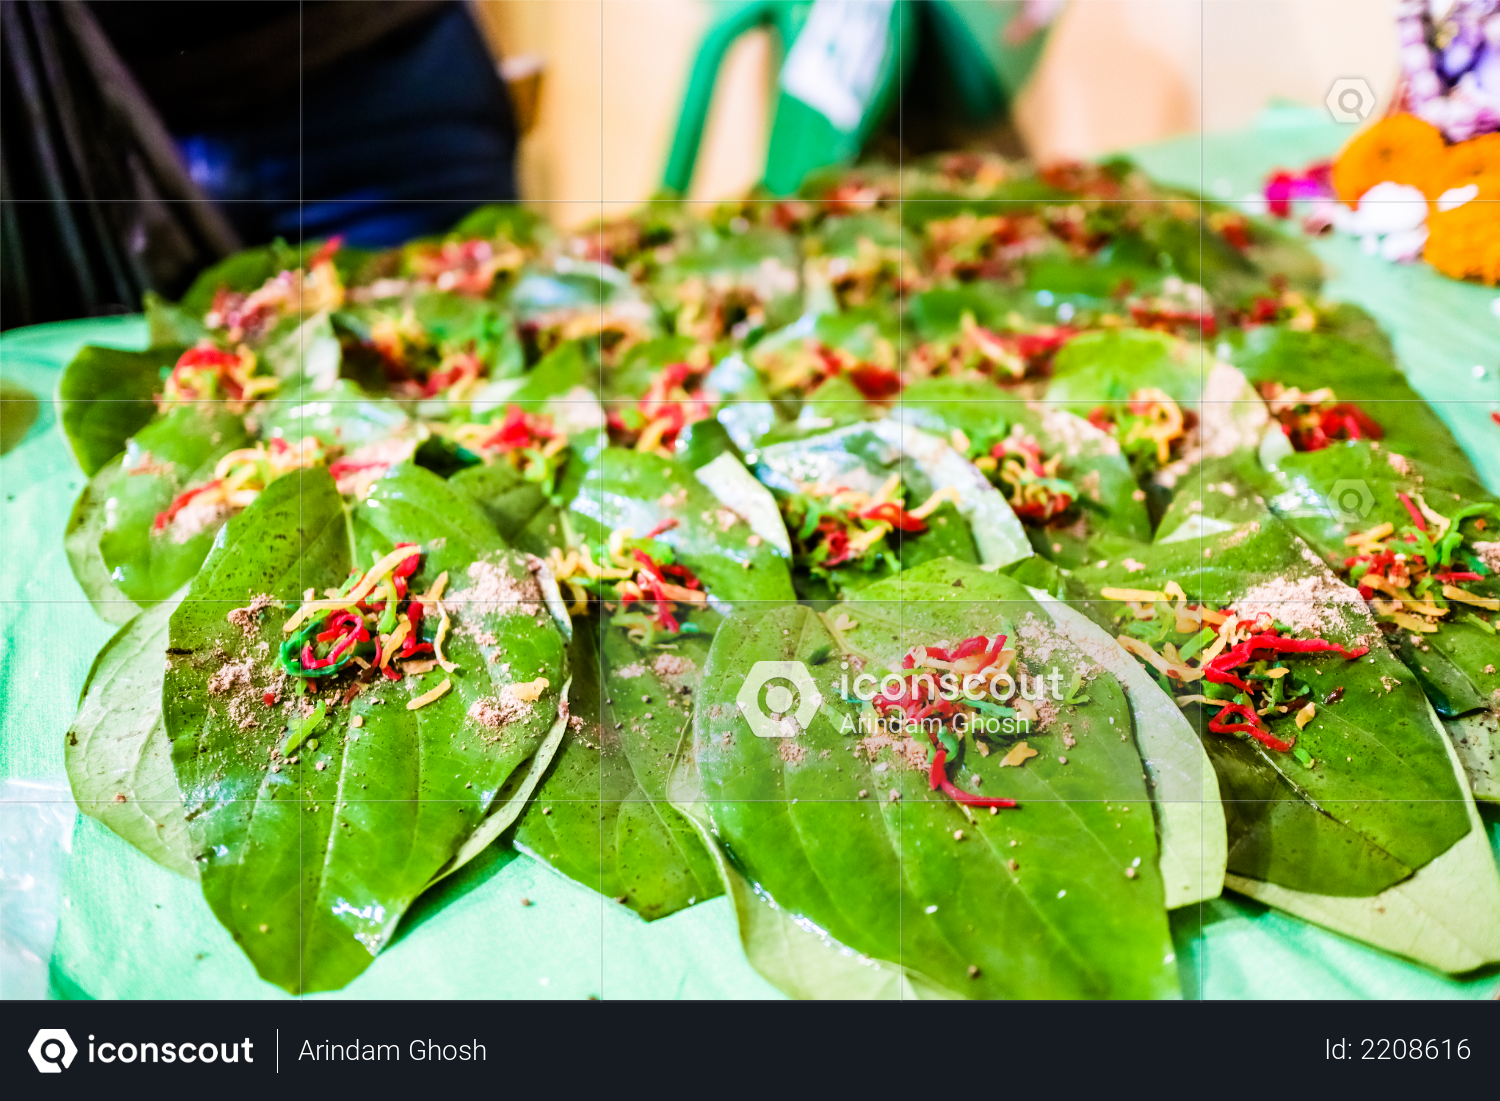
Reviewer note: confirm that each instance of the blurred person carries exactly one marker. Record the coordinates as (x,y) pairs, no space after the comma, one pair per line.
(373,120)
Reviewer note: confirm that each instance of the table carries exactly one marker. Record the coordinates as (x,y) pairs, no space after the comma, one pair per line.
(130,929)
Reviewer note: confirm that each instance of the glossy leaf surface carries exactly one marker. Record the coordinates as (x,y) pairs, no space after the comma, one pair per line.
(163,459)
(118,756)
(1381,800)
(1311,361)
(107,397)
(1327,495)
(310,863)
(888,877)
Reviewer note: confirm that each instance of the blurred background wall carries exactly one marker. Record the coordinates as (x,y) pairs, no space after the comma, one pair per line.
(1116,73)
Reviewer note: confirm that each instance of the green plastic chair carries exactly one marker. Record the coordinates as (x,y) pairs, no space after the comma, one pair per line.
(845,62)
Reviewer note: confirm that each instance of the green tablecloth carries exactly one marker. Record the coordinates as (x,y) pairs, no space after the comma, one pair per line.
(130,929)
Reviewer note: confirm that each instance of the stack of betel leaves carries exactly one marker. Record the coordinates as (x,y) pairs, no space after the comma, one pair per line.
(960,566)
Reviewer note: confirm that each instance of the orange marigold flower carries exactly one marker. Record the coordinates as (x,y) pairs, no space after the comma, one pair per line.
(1399,148)
(1465,242)
(1465,163)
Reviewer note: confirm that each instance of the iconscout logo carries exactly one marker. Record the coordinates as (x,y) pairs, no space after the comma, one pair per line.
(779,699)
(52,1050)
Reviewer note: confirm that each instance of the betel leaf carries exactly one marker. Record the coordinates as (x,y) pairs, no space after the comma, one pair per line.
(166,457)
(1446,916)
(1109,366)
(1476,740)
(458,322)
(81,542)
(343,416)
(1090,458)
(640,491)
(652,690)
(1381,799)
(640,365)
(1184,789)
(592,821)
(980,528)
(938,313)
(118,757)
(810,818)
(519,508)
(508,220)
(746,412)
(1215,496)
(794,955)
(305,354)
(563,375)
(106,396)
(1311,361)
(1327,495)
(244,271)
(647,692)
(1204,258)
(311,862)
(169,325)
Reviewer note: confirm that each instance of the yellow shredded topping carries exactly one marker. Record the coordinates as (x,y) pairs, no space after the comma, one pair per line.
(359,592)
(427,697)
(394,641)
(1145,596)
(528,691)
(1488,603)
(437,641)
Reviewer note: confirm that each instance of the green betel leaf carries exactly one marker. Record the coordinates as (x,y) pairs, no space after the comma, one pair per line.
(244,271)
(1328,495)
(306,356)
(640,491)
(117,511)
(562,376)
(973,523)
(1060,897)
(1372,798)
(1185,791)
(1446,916)
(310,859)
(517,506)
(650,856)
(118,756)
(1090,469)
(343,416)
(1476,740)
(169,325)
(1311,361)
(81,542)
(592,821)
(794,955)
(508,220)
(106,397)
(1096,368)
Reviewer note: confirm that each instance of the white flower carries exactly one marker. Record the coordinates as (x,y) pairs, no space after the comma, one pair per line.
(1391,221)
